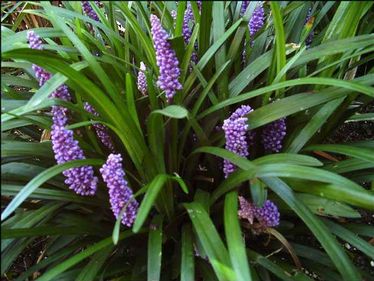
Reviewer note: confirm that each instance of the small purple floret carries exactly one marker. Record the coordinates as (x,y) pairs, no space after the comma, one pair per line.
(166,60)
(120,194)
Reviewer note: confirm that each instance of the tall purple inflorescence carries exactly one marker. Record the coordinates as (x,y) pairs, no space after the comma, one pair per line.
(89,11)
(81,179)
(166,60)
(257,21)
(186,29)
(188,21)
(101,131)
(244,7)
(255,24)
(235,128)
(142,79)
(36,43)
(120,195)
(267,215)
(273,135)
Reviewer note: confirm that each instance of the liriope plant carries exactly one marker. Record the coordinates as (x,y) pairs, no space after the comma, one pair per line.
(155,140)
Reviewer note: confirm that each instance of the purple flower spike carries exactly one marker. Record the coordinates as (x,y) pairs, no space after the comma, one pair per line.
(65,148)
(235,128)
(36,43)
(81,179)
(244,7)
(101,131)
(166,60)
(268,215)
(89,11)
(119,192)
(255,24)
(186,30)
(142,79)
(273,135)
(257,21)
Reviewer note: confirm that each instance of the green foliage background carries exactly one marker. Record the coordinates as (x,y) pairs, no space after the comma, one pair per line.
(186,204)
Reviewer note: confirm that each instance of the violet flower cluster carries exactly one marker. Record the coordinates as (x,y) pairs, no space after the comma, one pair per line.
(255,24)
(35,42)
(235,128)
(188,18)
(80,179)
(120,194)
(310,37)
(257,21)
(267,215)
(244,7)
(101,131)
(66,149)
(142,79)
(187,31)
(166,60)
(273,135)
(89,11)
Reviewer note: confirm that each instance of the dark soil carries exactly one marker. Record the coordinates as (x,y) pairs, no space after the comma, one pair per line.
(28,258)
(350,132)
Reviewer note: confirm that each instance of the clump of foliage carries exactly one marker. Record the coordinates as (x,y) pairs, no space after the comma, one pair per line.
(154,140)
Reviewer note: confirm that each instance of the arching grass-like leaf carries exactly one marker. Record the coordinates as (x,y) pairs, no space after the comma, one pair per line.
(321,232)
(154,250)
(236,245)
(211,242)
(42,178)
(187,261)
(52,273)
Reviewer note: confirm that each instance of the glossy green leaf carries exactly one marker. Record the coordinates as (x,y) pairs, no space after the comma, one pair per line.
(235,242)
(58,269)
(357,152)
(187,261)
(352,238)
(154,250)
(42,178)
(153,190)
(321,232)
(210,241)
